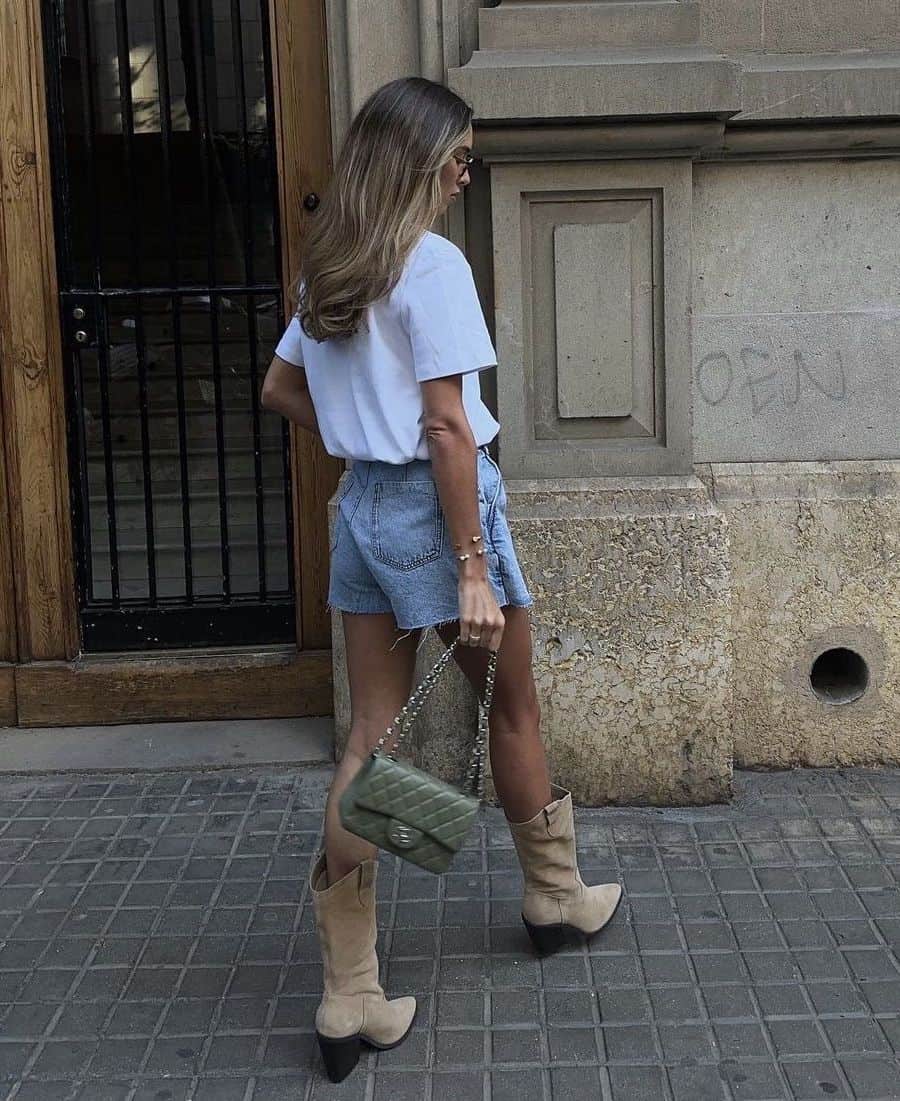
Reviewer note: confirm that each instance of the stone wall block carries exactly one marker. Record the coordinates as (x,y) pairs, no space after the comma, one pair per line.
(631,637)
(816,562)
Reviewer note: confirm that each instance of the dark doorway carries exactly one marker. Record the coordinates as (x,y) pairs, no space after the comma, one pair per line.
(168,241)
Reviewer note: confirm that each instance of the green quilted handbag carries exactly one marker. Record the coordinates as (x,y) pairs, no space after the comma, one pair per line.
(406,811)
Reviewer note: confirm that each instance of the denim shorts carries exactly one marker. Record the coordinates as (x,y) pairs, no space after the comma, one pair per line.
(391,550)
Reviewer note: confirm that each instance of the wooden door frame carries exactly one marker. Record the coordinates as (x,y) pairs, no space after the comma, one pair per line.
(8,636)
(43,680)
(303,142)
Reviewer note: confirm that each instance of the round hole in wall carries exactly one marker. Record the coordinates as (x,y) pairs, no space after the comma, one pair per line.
(839,675)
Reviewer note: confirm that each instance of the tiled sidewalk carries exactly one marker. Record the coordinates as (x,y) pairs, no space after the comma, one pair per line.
(156,945)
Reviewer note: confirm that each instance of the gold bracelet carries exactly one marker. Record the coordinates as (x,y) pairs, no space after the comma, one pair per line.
(475,539)
(463,557)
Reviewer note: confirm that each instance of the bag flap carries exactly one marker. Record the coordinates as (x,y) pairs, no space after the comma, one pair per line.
(402,792)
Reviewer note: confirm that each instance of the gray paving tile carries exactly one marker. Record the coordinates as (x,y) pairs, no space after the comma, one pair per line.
(516,1045)
(458,1086)
(792,1038)
(169,949)
(873,1078)
(815,1079)
(634,1084)
(697,1084)
(522,1007)
(568,1007)
(856,1036)
(515,1085)
(630,1044)
(756,1082)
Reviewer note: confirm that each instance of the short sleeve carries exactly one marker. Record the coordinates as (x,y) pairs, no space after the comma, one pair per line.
(443,316)
(289,348)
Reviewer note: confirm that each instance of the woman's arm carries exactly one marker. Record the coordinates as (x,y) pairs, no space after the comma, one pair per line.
(454,466)
(454,458)
(284,391)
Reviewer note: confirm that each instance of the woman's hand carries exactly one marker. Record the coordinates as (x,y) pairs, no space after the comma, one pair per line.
(479,614)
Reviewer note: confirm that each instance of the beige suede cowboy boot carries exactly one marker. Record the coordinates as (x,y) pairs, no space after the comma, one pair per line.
(353,1007)
(557,902)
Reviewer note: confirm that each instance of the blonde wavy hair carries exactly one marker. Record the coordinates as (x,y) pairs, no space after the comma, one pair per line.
(384,193)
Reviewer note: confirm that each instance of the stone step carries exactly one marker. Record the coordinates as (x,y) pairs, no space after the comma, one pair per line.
(169,746)
(612,23)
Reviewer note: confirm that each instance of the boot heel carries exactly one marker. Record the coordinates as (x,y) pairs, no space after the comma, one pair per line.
(546,938)
(339,1056)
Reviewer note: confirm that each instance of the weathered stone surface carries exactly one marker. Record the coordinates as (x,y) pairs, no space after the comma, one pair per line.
(795,314)
(819,86)
(731,24)
(806,25)
(815,560)
(800,26)
(556,25)
(631,635)
(631,82)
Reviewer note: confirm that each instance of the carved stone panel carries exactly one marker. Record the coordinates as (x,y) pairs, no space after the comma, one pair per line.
(592,273)
(594,370)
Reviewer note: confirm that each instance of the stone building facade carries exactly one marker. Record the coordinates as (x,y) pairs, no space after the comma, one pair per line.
(685,228)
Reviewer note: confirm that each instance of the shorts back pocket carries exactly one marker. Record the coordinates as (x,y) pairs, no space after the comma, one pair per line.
(407,523)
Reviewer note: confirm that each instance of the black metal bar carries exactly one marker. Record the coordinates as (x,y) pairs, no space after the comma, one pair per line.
(220,446)
(108,466)
(237,42)
(81,484)
(164,99)
(146,461)
(165,134)
(237,45)
(288,502)
(285,281)
(257,448)
(89,109)
(127,108)
(194,44)
(183,469)
(165,126)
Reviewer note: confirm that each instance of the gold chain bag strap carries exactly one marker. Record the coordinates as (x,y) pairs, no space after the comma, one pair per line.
(406,811)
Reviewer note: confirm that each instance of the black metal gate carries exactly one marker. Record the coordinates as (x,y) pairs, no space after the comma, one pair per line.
(167,231)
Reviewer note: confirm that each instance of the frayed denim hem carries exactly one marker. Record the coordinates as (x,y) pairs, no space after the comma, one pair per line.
(423,627)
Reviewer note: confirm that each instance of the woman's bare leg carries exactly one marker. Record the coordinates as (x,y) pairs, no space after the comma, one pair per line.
(380,675)
(518,762)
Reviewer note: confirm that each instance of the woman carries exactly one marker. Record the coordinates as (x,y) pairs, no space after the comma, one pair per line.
(382,361)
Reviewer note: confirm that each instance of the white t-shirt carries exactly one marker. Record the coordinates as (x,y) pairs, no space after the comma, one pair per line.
(366,391)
